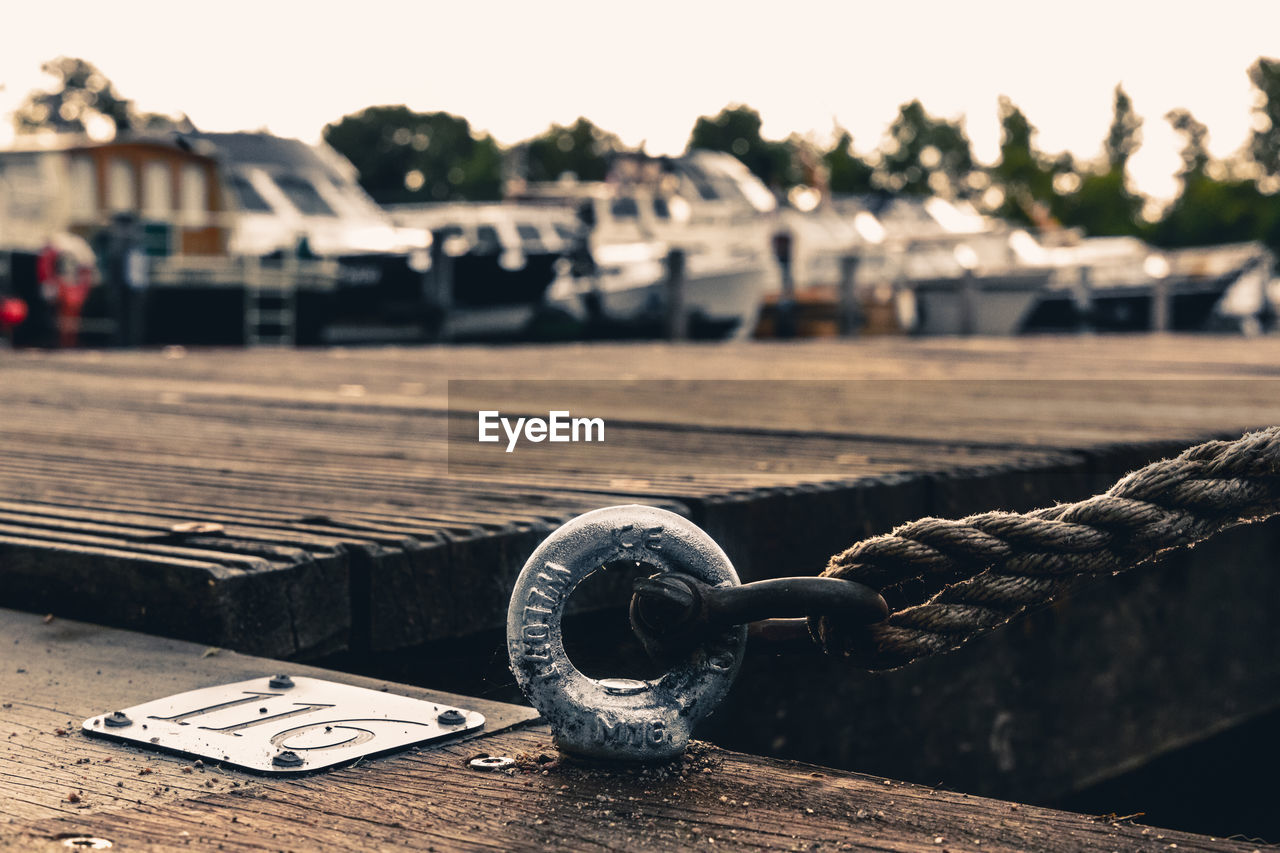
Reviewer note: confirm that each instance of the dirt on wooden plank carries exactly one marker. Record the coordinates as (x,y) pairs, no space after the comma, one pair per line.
(56,783)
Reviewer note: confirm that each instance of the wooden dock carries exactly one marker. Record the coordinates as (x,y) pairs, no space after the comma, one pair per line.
(301,504)
(317,485)
(57,785)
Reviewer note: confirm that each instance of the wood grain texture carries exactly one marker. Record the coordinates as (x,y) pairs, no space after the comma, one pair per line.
(342,522)
(56,674)
(718,800)
(56,783)
(345,522)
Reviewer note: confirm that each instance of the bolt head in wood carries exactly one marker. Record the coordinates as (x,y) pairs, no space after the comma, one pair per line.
(117,720)
(287,758)
(492,762)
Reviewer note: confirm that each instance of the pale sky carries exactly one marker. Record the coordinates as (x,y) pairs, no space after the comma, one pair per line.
(647,70)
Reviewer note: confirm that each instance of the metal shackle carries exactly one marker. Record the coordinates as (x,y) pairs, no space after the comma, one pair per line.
(618,718)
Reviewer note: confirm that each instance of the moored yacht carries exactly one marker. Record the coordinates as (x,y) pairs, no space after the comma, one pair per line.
(1122,284)
(209,221)
(705,205)
(493,265)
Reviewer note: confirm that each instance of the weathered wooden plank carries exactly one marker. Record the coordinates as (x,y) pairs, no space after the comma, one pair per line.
(721,800)
(450,543)
(347,522)
(181,597)
(57,785)
(57,673)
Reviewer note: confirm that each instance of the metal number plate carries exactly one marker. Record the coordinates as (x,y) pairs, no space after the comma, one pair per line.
(281,725)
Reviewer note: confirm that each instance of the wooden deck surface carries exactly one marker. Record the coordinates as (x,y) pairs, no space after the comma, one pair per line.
(55,783)
(301,503)
(329,478)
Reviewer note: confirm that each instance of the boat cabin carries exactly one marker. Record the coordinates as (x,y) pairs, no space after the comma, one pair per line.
(78,187)
(250,194)
(284,190)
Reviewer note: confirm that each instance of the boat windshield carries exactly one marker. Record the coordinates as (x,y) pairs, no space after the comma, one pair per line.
(705,191)
(487,242)
(529,236)
(303,195)
(247,197)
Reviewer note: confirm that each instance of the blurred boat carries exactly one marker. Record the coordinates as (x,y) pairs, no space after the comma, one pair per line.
(493,265)
(933,267)
(170,197)
(1122,284)
(957,268)
(218,219)
(706,205)
(914,265)
(294,199)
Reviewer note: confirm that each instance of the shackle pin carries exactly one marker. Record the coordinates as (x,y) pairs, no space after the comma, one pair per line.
(671,609)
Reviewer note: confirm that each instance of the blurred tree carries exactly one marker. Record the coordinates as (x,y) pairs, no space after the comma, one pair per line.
(1124,137)
(407,156)
(1104,205)
(82,93)
(923,155)
(846,171)
(736,129)
(85,101)
(1212,206)
(1047,191)
(581,149)
(1209,211)
(1195,149)
(482,172)
(1264,143)
(1023,177)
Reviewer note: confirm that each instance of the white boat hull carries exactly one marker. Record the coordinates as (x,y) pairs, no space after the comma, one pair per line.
(724,297)
(985,306)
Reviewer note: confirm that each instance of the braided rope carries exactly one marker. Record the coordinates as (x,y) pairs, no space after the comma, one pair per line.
(948,581)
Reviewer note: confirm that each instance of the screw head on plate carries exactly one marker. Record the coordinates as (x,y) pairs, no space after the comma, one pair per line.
(117,720)
(287,758)
(451,717)
(281,682)
(491,762)
(86,842)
